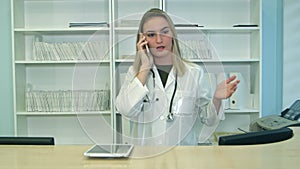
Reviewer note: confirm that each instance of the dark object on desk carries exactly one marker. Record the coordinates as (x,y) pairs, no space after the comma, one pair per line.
(260,137)
(27,140)
(245,25)
(188,25)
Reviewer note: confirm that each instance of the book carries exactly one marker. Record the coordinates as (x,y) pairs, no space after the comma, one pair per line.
(88,24)
(188,25)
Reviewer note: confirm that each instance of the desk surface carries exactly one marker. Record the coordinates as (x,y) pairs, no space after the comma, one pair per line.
(281,155)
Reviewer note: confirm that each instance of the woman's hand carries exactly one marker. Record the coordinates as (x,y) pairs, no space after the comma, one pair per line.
(144,54)
(146,59)
(225,90)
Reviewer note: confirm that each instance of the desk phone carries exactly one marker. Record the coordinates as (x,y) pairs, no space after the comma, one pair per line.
(289,117)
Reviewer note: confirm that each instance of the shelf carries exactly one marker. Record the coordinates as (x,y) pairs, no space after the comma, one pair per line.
(205,29)
(64,62)
(205,61)
(62,113)
(81,29)
(220,29)
(225,60)
(243,111)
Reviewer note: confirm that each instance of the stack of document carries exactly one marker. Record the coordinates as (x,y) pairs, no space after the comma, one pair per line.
(67,101)
(195,49)
(95,50)
(128,23)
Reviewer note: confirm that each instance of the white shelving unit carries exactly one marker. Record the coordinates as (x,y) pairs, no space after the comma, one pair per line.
(47,21)
(238,49)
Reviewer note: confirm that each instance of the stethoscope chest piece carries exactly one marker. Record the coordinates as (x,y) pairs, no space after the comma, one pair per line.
(170,117)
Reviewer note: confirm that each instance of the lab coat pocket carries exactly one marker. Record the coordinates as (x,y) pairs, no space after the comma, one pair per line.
(184,119)
(185,106)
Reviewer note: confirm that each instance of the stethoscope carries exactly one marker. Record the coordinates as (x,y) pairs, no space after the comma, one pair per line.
(170,116)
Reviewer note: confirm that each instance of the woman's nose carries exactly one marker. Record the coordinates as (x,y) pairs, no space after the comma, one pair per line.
(158,38)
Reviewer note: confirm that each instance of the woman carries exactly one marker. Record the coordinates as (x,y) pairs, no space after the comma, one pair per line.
(164,96)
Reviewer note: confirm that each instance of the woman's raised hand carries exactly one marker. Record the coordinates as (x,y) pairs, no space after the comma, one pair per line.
(144,53)
(226,88)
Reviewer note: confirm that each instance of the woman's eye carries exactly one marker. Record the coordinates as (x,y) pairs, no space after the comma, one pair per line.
(165,32)
(150,35)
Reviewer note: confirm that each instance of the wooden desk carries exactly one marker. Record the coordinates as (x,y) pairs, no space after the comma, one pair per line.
(282,155)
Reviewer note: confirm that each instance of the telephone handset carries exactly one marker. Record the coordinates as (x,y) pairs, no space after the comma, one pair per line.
(147,49)
(289,117)
(292,113)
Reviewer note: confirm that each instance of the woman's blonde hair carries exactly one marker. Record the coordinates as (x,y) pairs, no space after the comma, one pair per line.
(178,64)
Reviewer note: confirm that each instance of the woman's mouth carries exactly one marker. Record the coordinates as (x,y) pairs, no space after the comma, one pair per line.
(160,48)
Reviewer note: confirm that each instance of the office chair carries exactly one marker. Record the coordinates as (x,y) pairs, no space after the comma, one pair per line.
(260,137)
(27,141)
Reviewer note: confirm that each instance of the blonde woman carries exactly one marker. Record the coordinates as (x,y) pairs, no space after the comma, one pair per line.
(165,97)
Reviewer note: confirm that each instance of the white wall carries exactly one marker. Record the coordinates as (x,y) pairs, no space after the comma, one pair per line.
(6,88)
(291,60)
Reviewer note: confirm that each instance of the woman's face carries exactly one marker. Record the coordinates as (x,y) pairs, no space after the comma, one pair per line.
(159,37)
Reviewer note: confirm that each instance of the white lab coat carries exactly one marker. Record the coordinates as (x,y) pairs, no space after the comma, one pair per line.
(148,106)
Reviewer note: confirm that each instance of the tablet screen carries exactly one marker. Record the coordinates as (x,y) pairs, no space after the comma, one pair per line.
(113,150)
